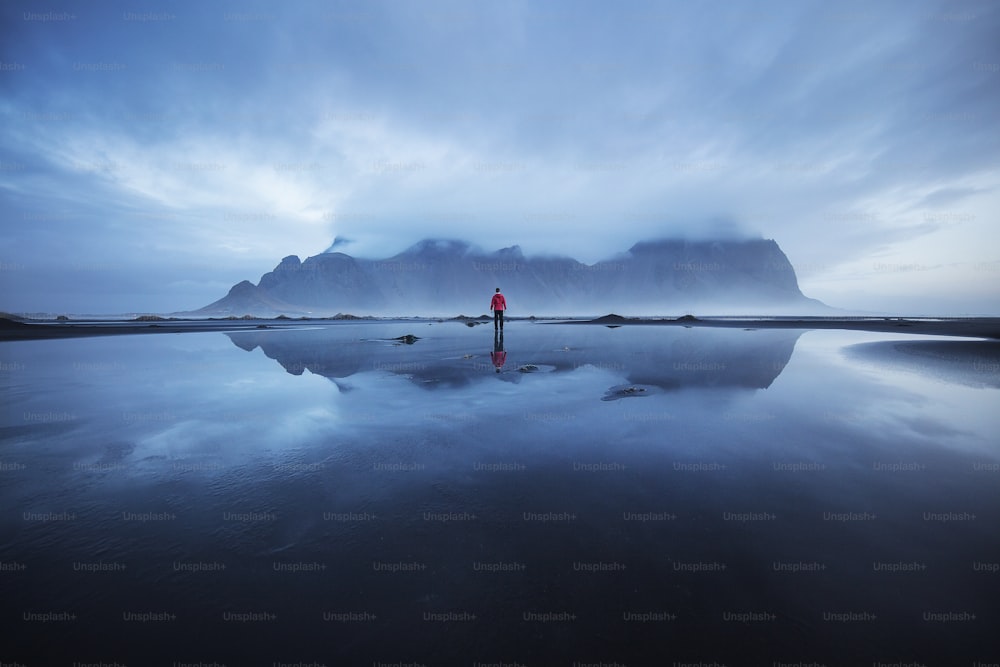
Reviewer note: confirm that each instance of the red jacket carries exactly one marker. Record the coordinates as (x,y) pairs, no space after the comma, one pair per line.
(498,302)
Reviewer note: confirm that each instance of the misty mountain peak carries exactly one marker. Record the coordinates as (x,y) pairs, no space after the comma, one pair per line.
(437,247)
(448,275)
(242,288)
(512,252)
(328,257)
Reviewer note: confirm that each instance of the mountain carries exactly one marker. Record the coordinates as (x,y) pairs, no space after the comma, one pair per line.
(447,277)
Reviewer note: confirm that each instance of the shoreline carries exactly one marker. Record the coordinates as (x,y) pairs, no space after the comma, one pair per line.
(965,327)
(973,327)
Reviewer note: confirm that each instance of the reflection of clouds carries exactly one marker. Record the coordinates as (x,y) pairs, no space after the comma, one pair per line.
(206,418)
(929,427)
(860,409)
(235,432)
(240,383)
(967,362)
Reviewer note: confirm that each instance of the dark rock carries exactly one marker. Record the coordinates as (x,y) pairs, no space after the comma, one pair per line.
(625,391)
(610,318)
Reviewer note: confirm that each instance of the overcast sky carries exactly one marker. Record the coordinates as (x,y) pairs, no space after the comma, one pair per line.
(152,154)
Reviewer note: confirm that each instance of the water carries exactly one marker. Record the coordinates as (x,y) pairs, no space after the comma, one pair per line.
(639,495)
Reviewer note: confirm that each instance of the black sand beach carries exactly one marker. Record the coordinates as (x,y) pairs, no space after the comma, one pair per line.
(965,327)
(974,327)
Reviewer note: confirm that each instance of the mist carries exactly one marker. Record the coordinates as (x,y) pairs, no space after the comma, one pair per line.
(448,277)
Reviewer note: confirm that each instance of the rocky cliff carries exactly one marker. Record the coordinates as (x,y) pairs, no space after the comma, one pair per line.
(447,277)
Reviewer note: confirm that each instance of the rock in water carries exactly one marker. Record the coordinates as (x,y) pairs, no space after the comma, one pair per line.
(626,391)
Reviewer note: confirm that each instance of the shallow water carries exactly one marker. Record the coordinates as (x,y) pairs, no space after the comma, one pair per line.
(640,495)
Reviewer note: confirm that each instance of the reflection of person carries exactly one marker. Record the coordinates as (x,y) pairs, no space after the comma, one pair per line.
(498,305)
(498,355)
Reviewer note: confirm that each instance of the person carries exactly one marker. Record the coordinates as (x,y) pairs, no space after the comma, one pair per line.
(498,355)
(498,305)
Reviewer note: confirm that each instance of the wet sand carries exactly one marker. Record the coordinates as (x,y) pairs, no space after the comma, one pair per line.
(974,327)
(966,327)
(46,329)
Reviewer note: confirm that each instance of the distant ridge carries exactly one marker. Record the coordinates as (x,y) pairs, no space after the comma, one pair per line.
(446,276)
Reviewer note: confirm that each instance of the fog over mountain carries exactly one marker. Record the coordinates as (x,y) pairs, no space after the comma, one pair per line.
(448,277)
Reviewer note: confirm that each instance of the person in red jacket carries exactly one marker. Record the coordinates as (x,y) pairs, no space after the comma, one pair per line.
(498,305)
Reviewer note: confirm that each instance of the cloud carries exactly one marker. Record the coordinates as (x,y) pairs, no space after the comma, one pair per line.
(339,242)
(950,196)
(237,133)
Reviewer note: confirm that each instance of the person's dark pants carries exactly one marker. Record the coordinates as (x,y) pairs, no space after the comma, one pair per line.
(497,319)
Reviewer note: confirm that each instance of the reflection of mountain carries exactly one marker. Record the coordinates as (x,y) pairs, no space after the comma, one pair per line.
(974,363)
(678,358)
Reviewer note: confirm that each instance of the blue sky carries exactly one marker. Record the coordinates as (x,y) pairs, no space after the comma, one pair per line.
(152,154)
